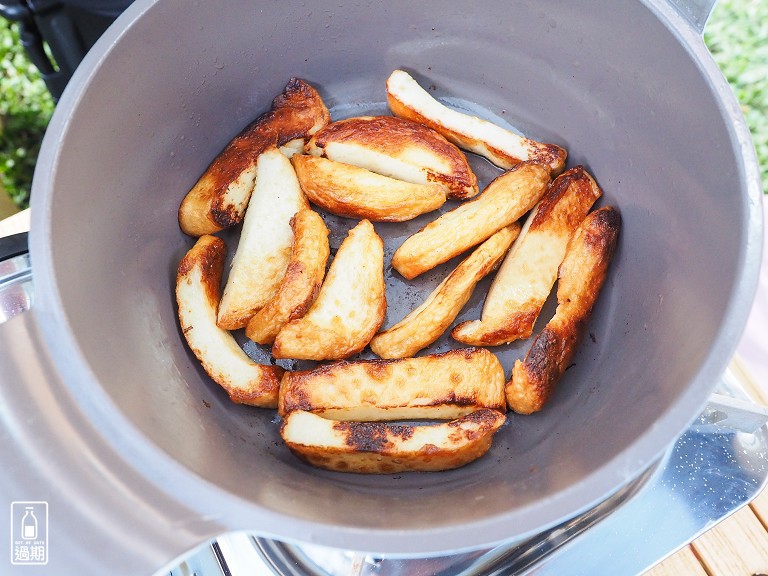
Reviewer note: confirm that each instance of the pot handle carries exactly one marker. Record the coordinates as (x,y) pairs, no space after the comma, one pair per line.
(93,514)
(696,12)
(15,276)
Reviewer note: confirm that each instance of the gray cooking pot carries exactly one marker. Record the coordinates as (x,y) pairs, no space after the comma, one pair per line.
(107,416)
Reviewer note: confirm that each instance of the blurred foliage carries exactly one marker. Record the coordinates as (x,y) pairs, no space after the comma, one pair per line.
(25,109)
(737,36)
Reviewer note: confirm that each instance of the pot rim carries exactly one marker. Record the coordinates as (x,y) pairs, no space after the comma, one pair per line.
(232,512)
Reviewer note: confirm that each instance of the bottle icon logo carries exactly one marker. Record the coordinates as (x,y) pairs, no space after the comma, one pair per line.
(29,532)
(29,524)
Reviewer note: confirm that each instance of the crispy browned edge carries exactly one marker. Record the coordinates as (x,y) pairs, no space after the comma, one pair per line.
(209,254)
(389,133)
(581,277)
(294,385)
(520,324)
(301,283)
(550,155)
(296,113)
(376,439)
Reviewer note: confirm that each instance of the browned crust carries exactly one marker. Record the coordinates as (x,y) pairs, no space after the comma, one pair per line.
(301,283)
(296,113)
(459,378)
(550,155)
(208,256)
(263,393)
(377,436)
(391,135)
(581,277)
(375,448)
(585,190)
(519,324)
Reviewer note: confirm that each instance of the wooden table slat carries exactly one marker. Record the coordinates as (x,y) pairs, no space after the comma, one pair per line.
(757,392)
(737,546)
(760,508)
(681,563)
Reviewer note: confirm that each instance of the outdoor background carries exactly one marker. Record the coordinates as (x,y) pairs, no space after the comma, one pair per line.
(737,36)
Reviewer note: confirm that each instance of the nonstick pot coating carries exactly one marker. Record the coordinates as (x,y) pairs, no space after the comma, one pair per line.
(633,98)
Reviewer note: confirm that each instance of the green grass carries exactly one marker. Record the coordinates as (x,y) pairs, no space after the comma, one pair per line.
(25,109)
(737,36)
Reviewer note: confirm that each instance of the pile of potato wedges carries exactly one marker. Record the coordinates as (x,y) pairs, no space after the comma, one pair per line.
(533,226)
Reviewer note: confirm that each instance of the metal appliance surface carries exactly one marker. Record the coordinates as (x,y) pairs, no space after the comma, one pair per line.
(107,399)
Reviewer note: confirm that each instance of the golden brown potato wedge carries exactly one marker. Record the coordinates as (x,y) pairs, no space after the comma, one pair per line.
(397,148)
(349,308)
(382,448)
(301,282)
(266,238)
(198,285)
(503,201)
(440,386)
(219,198)
(353,192)
(580,279)
(427,323)
(501,146)
(526,276)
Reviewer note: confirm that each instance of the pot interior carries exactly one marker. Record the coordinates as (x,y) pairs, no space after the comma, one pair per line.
(606,79)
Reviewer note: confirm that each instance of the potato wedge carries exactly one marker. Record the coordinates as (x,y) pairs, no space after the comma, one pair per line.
(503,201)
(381,448)
(349,308)
(581,277)
(501,146)
(266,238)
(219,198)
(198,285)
(397,148)
(301,282)
(529,271)
(439,386)
(354,192)
(293,147)
(427,323)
